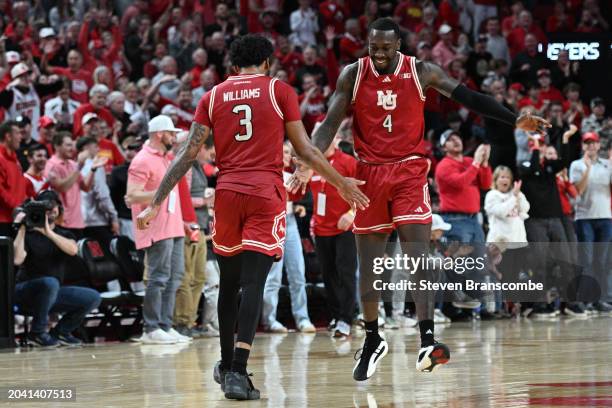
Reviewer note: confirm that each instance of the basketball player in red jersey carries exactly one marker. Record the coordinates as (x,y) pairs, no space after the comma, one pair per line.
(387,92)
(249,114)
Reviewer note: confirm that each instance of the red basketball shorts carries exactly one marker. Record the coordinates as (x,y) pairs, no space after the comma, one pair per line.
(247,222)
(398,194)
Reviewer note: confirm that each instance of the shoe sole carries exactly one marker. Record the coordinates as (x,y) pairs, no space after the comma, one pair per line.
(375,364)
(436,358)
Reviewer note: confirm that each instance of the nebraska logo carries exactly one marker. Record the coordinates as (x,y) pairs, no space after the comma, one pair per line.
(387,99)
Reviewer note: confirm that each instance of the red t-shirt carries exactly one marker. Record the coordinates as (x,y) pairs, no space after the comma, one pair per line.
(326,223)
(409,13)
(314,109)
(103,113)
(110,150)
(553,94)
(247,114)
(81,82)
(334,15)
(459,184)
(349,46)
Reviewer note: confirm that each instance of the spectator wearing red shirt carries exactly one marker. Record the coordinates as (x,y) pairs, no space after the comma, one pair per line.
(104,48)
(510,22)
(548,93)
(200,61)
(459,181)
(370,14)
(560,21)
(35,175)
(334,14)
(517,37)
(92,127)
(334,241)
(80,79)
(352,46)
(589,23)
(12,183)
(312,102)
(408,14)
(97,103)
(267,27)
(285,53)
(573,107)
(429,21)
(532,98)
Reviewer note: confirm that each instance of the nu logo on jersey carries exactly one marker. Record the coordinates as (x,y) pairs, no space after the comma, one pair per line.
(387,99)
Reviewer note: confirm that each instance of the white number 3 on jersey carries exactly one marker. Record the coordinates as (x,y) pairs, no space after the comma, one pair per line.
(388,123)
(246,122)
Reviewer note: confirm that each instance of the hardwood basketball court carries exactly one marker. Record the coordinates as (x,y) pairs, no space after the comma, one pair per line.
(509,363)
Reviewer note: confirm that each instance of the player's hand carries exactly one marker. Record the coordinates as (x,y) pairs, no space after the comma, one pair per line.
(300,178)
(530,123)
(143,220)
(350,192)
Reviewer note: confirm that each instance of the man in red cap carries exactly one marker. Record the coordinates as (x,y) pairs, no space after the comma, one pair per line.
(592,177)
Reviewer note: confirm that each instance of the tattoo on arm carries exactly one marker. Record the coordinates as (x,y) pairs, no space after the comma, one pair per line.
(183,161)
(431,75)
(340,101)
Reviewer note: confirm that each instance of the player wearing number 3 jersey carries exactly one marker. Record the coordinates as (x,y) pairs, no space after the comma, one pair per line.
(249,115)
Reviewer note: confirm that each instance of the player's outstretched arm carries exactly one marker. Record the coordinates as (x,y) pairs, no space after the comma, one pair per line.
(339,103)
(183,162)
(432,75)
(313,157)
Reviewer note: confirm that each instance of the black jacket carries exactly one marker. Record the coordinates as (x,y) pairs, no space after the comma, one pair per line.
(540,184)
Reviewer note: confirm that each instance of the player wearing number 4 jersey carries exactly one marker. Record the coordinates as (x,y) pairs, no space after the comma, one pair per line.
(387,92)
(249,114)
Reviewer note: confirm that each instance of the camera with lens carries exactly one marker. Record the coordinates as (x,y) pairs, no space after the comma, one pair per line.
(36,212)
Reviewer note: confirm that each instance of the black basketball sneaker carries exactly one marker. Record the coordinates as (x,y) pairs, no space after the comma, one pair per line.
(240,387)
(431,357)
(219,375)
(374,349)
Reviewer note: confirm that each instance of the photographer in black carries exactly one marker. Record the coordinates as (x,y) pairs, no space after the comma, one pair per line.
(42,250)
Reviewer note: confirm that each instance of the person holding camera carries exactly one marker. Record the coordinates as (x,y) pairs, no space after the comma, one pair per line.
(43,252)
(12,183)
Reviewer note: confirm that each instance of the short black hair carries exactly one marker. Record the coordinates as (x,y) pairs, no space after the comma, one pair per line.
(5,128)
(84,142)
(250,50)
(385,24)
(36,147)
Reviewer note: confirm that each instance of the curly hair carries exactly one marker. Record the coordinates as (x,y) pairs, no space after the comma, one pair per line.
(250,50)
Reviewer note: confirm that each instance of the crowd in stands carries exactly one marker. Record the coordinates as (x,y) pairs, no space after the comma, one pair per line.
(81,79)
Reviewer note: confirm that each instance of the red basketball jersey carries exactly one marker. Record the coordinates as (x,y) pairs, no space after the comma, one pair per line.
(247,115)
(388,121)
